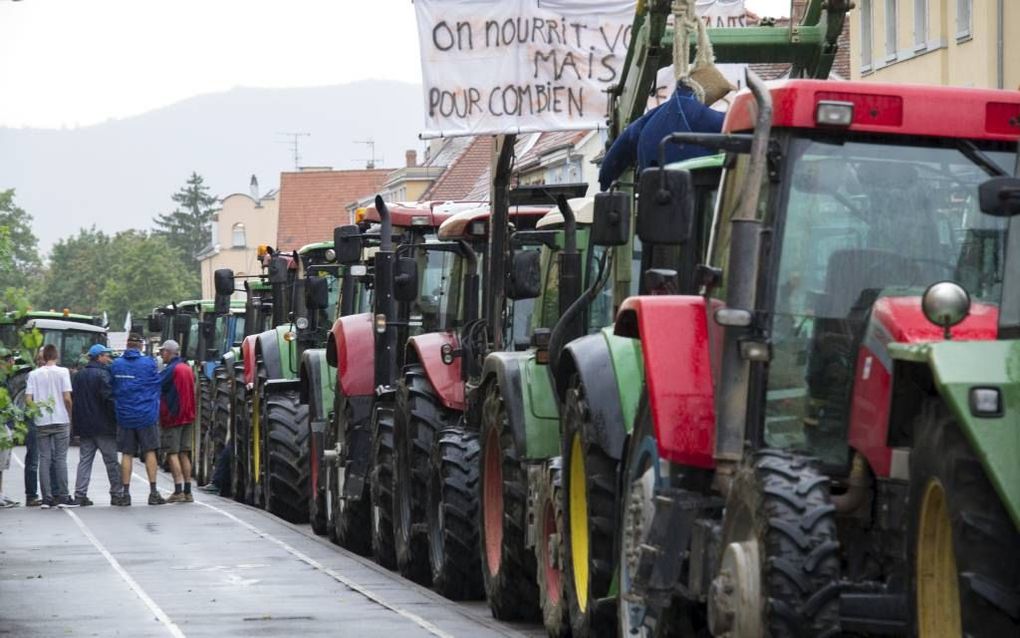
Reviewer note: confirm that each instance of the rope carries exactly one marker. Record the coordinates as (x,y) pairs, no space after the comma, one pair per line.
(685,23)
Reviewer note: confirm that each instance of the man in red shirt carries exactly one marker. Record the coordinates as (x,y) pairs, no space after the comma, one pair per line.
(177,418)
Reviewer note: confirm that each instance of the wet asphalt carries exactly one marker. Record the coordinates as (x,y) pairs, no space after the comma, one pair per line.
(209,568)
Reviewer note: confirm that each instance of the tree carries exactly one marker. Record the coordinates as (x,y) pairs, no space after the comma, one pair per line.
(13,306)
(23,252)
(187,228)
(146,272)
(79,267)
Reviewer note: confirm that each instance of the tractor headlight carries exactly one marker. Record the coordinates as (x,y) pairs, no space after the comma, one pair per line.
(380,323)
(330,254)
(301,323)
(985,402)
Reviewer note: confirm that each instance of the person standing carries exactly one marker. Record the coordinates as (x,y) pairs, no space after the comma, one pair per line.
(96,424)
(177,419)
(49,387)
(136,399)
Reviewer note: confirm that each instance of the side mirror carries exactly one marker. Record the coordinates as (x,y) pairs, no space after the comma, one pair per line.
(611,225)
(665,206)
(278,270)
(525,275)
(1000,196)
(405,279)
(154,323)
(316,293)
(182,324)
(347,244)
(221,304)
(223,281)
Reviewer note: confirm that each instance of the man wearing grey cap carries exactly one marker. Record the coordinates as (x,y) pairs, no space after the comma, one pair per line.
(96,422)
(177,418)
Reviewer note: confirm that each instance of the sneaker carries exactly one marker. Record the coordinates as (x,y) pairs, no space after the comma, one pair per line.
(67,502)
(33,501)
(155,498)
(177,497)
(210,488)
(84,501)
(46,504)
(188,498)
(121,500)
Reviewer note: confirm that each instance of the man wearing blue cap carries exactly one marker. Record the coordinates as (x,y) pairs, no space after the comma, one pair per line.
(96,423)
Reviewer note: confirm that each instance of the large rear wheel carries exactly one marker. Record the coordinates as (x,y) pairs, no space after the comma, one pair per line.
(381,485)
(221,420)
(453,515)
(508,568)
(240,481)
(350,520)
(590,512)
(551,533)
(286,462)
(418,417)
(965,549)
(206,455)
(780,567)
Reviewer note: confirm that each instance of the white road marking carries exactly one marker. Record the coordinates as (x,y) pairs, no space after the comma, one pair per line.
(149,602)
(416,619)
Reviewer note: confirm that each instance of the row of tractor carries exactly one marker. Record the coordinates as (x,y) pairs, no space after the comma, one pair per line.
(771,390)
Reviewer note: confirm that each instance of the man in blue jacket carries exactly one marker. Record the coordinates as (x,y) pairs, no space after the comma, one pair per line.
(136,385)
(96,423)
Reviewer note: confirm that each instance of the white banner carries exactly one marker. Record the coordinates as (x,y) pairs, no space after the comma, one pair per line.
(521,66)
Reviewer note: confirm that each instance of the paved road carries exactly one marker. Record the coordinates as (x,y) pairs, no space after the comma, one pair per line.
(211,568)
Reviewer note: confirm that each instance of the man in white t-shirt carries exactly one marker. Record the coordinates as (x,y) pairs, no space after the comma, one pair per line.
(49,386)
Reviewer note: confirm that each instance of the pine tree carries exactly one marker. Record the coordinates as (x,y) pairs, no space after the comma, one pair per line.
(188,228)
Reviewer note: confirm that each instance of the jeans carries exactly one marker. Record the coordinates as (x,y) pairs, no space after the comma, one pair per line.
(52,442)
(221,473)
(32,464)
(107,446)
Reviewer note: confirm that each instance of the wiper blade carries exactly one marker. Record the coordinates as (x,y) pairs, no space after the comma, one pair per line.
(976,155)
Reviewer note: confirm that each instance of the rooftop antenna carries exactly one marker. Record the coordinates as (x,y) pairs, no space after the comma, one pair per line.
(369,163)
(293,143)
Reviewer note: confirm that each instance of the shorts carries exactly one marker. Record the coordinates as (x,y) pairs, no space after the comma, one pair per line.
(177,439)
(137,441)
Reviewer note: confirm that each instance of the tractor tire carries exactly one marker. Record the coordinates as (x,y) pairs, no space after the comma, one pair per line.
(240,474)
(221,419)
(964,549)
(286,461)
(550,535)
(453,515)
(417,420)
(350,521)
(381,489)
(208,445)
(590,515)
(318,514)
(508,568)
(640,478)
(779,503)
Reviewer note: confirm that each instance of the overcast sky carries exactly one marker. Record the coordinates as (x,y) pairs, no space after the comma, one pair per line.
(67,63)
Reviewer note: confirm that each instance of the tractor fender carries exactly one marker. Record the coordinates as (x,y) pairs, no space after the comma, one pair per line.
(673,330)
(316,389)
(248,357)
(228,359)
(589,358)
(504,369)
(351,349)
(446,379)
(951,369)
(270,352)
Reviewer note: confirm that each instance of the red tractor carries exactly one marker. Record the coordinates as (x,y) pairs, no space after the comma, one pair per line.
(802,463)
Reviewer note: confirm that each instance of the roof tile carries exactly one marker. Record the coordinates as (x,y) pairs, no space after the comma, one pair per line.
(312,203)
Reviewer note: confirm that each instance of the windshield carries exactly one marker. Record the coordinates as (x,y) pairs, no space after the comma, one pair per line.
(72,345)
(438,298)
(863,220)
(238,335)
(9,336)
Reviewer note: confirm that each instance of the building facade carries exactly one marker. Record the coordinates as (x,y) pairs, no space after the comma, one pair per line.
(242,223)
(966,43)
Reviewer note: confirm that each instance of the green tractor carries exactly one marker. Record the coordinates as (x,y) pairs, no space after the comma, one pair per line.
(271,430)
(821,444)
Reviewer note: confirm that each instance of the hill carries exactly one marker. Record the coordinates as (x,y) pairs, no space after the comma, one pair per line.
(120,173)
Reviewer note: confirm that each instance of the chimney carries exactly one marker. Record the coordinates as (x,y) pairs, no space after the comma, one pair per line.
(412,158)
(254,187)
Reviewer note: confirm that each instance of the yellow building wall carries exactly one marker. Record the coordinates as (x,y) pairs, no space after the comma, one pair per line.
(944,58)
(260,228)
